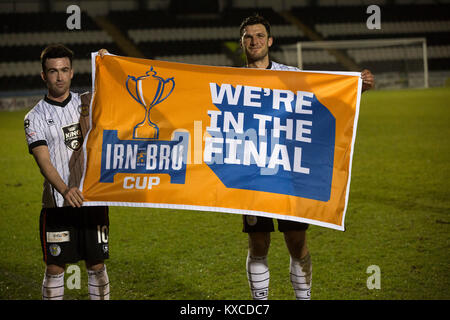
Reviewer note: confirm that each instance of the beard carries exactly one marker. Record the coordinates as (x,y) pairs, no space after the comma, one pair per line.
(58,91)
(257,55)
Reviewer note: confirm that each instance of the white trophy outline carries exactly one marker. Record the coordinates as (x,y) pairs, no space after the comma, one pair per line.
(147,124)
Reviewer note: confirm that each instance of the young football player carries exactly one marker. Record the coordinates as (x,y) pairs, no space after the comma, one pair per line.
(55,129)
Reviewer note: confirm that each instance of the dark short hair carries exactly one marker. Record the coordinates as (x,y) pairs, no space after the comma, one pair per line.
(55,51)
(254,19)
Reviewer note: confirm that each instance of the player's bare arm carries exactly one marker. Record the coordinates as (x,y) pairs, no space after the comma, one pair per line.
(72,195)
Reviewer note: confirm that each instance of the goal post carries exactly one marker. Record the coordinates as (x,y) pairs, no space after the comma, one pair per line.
(396,63)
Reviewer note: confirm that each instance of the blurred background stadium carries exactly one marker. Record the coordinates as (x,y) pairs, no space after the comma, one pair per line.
(207,32)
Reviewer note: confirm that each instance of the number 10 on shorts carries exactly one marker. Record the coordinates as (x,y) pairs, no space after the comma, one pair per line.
(102,234)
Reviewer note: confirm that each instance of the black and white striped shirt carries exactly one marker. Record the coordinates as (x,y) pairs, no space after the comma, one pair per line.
(61,126)
(278,66)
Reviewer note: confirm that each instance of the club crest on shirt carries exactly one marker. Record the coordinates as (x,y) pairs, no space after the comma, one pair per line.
(55,250)
(73,137)
(83,109)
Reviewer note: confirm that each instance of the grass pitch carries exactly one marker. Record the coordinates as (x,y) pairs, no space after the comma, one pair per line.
(397,218)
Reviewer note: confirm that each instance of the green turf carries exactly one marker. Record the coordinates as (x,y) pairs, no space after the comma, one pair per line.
(397,218)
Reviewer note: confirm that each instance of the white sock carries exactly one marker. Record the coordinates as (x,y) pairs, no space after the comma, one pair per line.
(53,286)
(258,276)
(98,284)
(301,277)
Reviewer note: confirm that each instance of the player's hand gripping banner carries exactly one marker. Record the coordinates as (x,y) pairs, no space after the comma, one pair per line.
(248,141)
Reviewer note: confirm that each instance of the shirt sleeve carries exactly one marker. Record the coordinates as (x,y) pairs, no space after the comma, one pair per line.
(34,131)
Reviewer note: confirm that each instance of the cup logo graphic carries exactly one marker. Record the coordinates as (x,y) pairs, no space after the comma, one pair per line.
(148,90)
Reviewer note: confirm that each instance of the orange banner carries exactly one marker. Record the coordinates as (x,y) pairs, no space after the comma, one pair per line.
(247,141)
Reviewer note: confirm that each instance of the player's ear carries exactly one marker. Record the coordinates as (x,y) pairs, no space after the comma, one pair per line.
(43,76)
(270,42)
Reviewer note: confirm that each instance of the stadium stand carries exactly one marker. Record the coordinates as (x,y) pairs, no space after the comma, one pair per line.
(25,35)
(430,21)
(191,39)
(205,33)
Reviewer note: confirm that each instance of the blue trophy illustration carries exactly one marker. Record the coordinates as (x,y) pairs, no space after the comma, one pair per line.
(148,90)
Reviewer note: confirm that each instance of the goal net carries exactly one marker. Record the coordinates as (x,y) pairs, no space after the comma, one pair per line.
(396,63)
